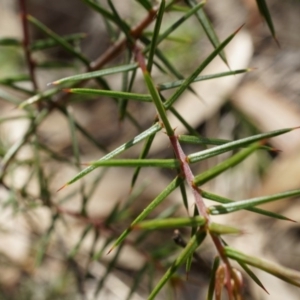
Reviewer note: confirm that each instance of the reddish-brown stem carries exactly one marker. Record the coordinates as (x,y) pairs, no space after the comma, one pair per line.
(202,209)
(26,41)
(188,175)
(119,46)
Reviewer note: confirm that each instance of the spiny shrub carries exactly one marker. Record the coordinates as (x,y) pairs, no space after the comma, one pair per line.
(135,54)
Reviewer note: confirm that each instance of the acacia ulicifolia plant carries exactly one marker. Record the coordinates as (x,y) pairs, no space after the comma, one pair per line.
(143,54)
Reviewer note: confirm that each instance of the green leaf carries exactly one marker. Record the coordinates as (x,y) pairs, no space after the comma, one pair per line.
(188,265)
(179,8)
(48,43)
(6,41)
(170,223)
(120,23)
(155,35)
(108,93)
(161,197)
(166,213)
(106,14)
(263,9)
(178,23)
(221,199)
(158,103)
(195,157)
(192,245)
(145,3)
(160,163)
(225,165)
(212,281)
(223,229)
(96,74)
(122,103)
(208,28)
(155,128)
(61,41)
(202,66)
(185,123)
(16,78)
(176,39)
(184,195)
(177,83)
(199,140)
(38,97)
(143,154)
(252,276)
(163,58)
(238,205)
(288,275)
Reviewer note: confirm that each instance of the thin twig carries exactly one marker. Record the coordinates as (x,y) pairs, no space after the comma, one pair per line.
(26,42)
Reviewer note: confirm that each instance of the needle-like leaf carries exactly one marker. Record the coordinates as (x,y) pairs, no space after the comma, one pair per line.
(161,197)
(177,83)
(160,163)
(212,281)
(155,35)
(96,74)
(61,41)
(145,3)
(155,96)
(192,245)
(202,66)
(244,204)
(195,157)
(48,43)
(208,28)
(225,165)
(38,97)
(170,223)
(263,9)
(223,229)
(221,199)
(155,128)
(288,275)
(112,94)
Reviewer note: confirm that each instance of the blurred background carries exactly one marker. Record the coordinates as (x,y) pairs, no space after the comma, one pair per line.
(36,255)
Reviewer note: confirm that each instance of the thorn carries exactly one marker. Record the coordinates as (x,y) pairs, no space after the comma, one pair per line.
(67,90)
(111,249)
(239,29)
(140,59)
(52,83)
(130,190)
(251,69)
(275,150)
(62,187)
(277,42)
(291,220)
